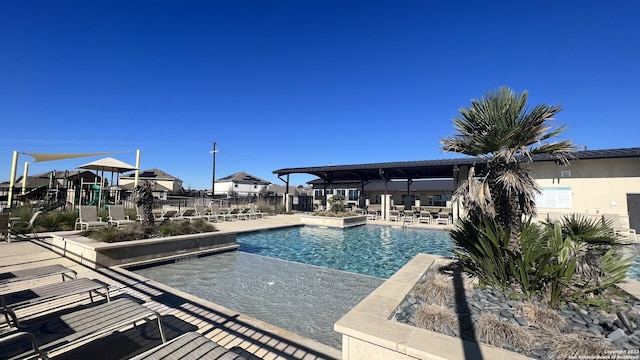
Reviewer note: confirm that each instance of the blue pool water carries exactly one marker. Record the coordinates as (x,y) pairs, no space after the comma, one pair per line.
(372,250)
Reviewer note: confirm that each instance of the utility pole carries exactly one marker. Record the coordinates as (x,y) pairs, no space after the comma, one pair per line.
(213,180)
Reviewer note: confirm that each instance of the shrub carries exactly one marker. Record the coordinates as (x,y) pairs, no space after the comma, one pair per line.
(337,203)
(565,346)
(502,334)
(543,317)
(437,289)
(139,231)
(435,317)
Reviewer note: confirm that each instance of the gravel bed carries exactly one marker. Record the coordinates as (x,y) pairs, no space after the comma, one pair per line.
(616,330)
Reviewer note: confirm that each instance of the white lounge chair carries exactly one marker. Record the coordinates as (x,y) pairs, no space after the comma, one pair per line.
(202,212)
(117,216)
(88,218)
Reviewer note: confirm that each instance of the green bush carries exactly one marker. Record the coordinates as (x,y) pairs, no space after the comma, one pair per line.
(137,231)
(570,259)
(337,203)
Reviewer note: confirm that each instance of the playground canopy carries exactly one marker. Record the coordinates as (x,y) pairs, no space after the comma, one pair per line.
(108,164)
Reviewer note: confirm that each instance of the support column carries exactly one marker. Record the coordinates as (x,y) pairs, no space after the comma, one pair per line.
(385,200)
(12,179)
(137,175)
(24,177)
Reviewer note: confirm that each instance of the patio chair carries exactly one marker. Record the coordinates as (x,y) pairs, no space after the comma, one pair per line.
(35,273)
(69,329)
(191,345)
(117,216)
(4,226)
(21,227)
(88,218)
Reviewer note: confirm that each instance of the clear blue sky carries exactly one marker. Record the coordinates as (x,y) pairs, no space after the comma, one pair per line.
(281,84)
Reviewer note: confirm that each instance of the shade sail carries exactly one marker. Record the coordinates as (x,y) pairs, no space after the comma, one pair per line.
(40,157)
(108,164)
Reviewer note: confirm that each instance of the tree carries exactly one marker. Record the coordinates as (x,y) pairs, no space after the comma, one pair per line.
(502,130)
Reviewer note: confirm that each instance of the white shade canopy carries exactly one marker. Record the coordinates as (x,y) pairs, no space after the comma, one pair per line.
(109,164)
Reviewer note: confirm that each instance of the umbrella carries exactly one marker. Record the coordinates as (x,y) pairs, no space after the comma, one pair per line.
(108,164)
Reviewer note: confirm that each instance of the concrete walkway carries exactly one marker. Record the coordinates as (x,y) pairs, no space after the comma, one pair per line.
(181,312)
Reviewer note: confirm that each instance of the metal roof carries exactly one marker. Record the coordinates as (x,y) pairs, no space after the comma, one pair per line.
(425,169)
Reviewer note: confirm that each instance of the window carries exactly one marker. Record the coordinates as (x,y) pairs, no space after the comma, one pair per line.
(317,193)
(341,192)
(329,191)
(354,195)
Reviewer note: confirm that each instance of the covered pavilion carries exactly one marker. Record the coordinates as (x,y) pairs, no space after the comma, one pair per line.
(456,169)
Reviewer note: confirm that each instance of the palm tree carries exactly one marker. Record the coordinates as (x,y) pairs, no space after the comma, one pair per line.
(502,130)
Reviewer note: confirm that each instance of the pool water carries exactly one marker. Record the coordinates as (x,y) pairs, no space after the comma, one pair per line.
(304,279)
(371,250)
(304,299)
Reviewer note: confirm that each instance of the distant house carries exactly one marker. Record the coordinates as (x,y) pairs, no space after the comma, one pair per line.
(162,183)
(241,184)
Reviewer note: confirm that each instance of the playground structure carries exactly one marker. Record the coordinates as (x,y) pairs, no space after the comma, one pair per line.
(66,190)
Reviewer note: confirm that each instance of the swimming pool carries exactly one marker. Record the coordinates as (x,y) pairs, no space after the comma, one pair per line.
(371,250)
(304,279)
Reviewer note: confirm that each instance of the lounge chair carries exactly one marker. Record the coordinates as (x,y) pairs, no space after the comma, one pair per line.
(21,227)
(117,216)
(201,211)
(35,273)
(243,214)
(444,218)
(21,345)
(395,215)
(231,214)
(97,321)
(168,215)
(214,210)
(41,294)
(619,228)
(425,217)
(88,218)
(254,212)
(408,216)
(189,346)
(187,214)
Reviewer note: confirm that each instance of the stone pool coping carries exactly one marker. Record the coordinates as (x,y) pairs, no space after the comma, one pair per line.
(96,254)
(368,333)
(333,221)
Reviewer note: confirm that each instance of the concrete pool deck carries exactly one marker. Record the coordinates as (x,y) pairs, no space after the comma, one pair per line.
(181,312)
